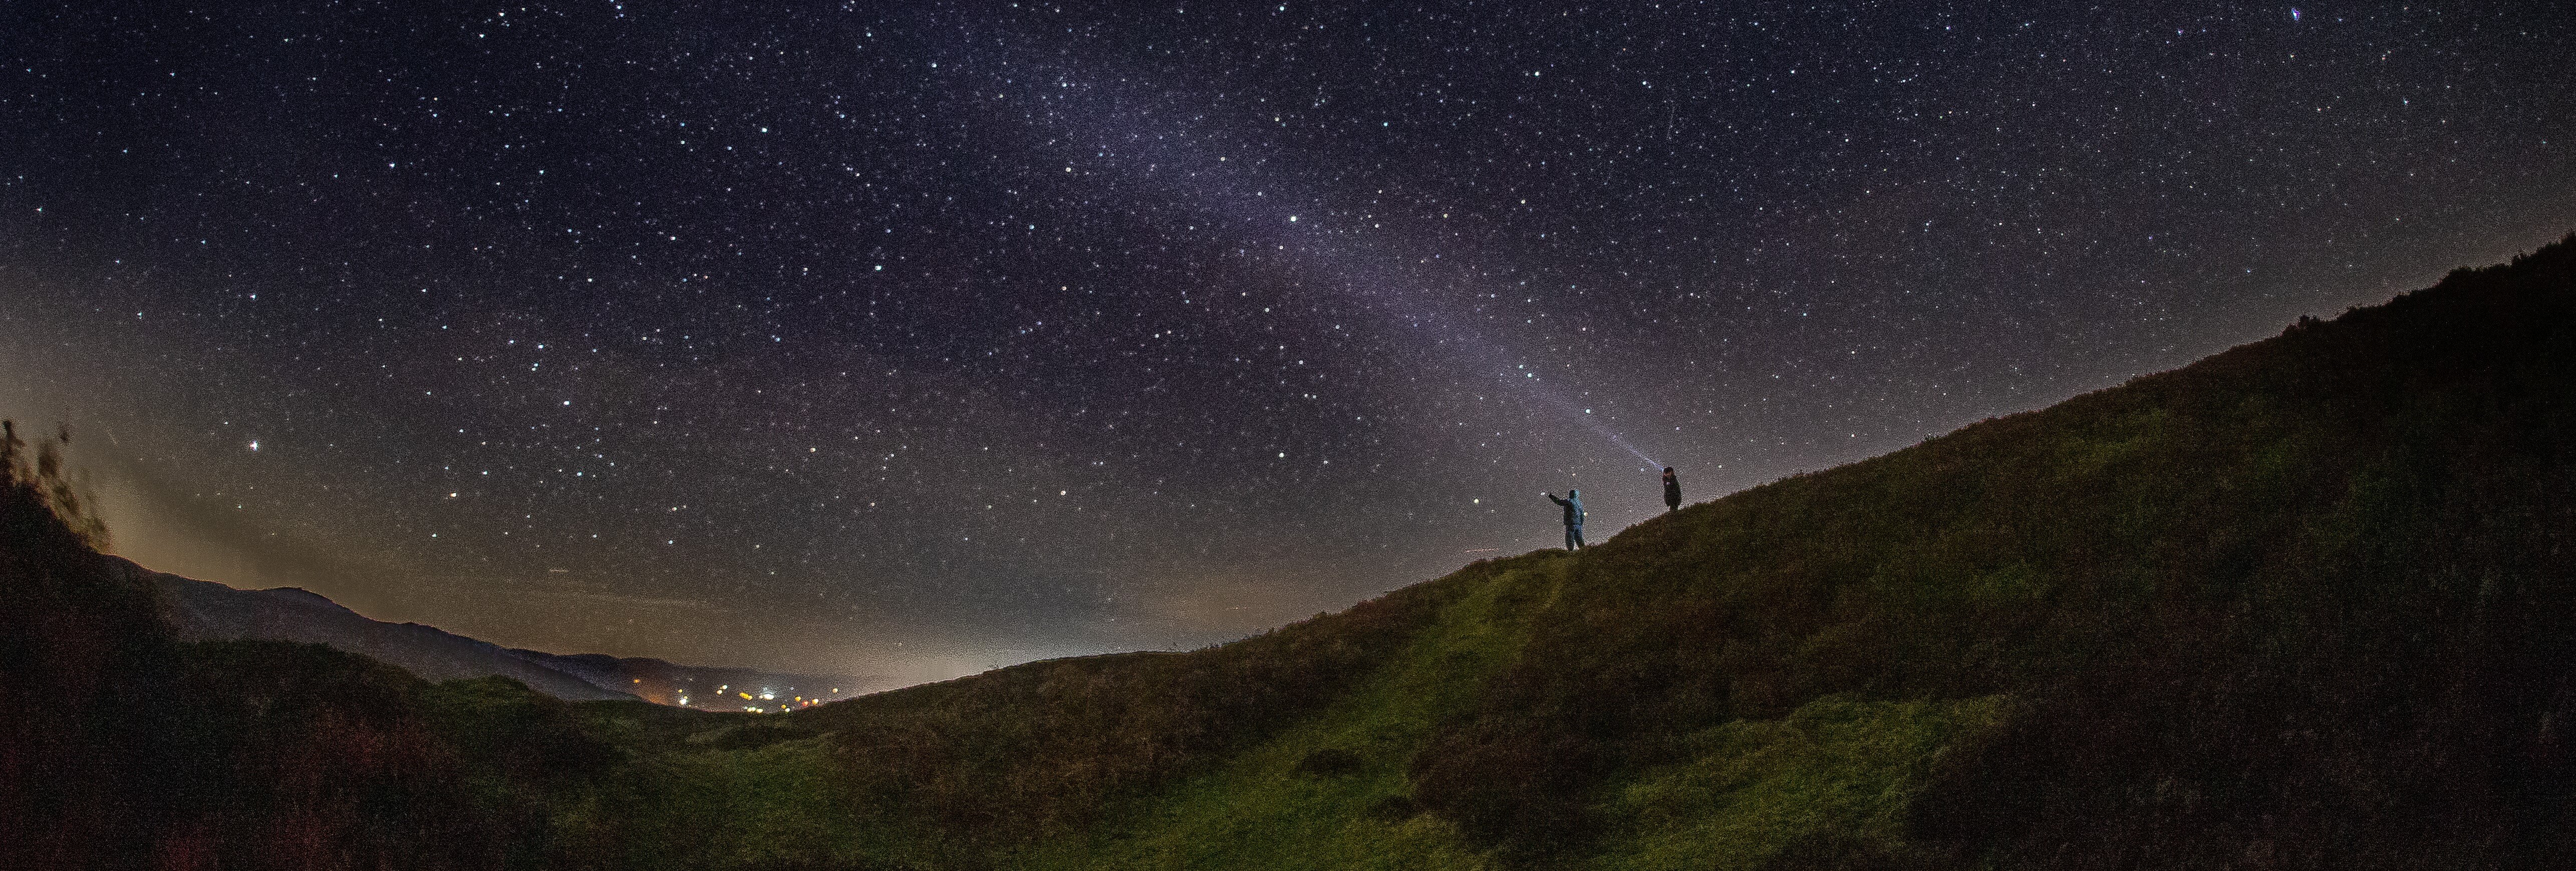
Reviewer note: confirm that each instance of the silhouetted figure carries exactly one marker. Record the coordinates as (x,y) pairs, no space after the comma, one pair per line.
(1573,504)
(1672,490)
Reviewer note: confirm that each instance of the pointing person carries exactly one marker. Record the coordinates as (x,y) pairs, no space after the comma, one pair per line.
(1573,504)
(1672,490)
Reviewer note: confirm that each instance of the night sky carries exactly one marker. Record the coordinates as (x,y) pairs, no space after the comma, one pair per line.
(911,339)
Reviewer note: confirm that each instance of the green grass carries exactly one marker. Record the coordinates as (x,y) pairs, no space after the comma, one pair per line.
(1838,771)
(1262,810)
(725,795)
(1839,774)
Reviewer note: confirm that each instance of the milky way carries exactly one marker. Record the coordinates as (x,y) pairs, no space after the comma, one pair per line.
(913,339)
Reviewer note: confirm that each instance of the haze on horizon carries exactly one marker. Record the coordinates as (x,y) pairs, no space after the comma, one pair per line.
(912,342)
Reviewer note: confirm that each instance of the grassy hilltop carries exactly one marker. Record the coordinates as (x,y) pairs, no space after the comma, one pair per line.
(2307,603)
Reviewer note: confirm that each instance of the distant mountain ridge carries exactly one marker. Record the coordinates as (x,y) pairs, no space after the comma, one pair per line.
(208,611)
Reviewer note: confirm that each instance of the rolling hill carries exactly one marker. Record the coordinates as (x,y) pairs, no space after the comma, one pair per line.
(2310,603)
(208,611)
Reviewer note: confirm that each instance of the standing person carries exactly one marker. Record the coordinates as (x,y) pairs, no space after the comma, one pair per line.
(1573,504)
(1672,490)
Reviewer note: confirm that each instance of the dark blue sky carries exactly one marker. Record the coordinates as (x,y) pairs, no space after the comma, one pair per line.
(911,339)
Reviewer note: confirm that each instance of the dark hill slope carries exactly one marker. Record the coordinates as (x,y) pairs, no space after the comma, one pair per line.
(204,610)
(2307,602)
(125,747)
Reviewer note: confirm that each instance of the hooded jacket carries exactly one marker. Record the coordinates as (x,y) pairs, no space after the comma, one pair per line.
(1573,503)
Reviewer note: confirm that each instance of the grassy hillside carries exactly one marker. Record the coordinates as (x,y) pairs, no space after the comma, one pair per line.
(2310,597)
(1330,791)
(2306,603)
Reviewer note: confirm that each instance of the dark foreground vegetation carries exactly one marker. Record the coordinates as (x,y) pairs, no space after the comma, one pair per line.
(2309,603)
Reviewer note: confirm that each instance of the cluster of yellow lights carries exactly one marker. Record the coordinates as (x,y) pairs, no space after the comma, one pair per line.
(765,694)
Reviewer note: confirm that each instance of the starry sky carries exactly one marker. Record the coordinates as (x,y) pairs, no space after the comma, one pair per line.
(911,339)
